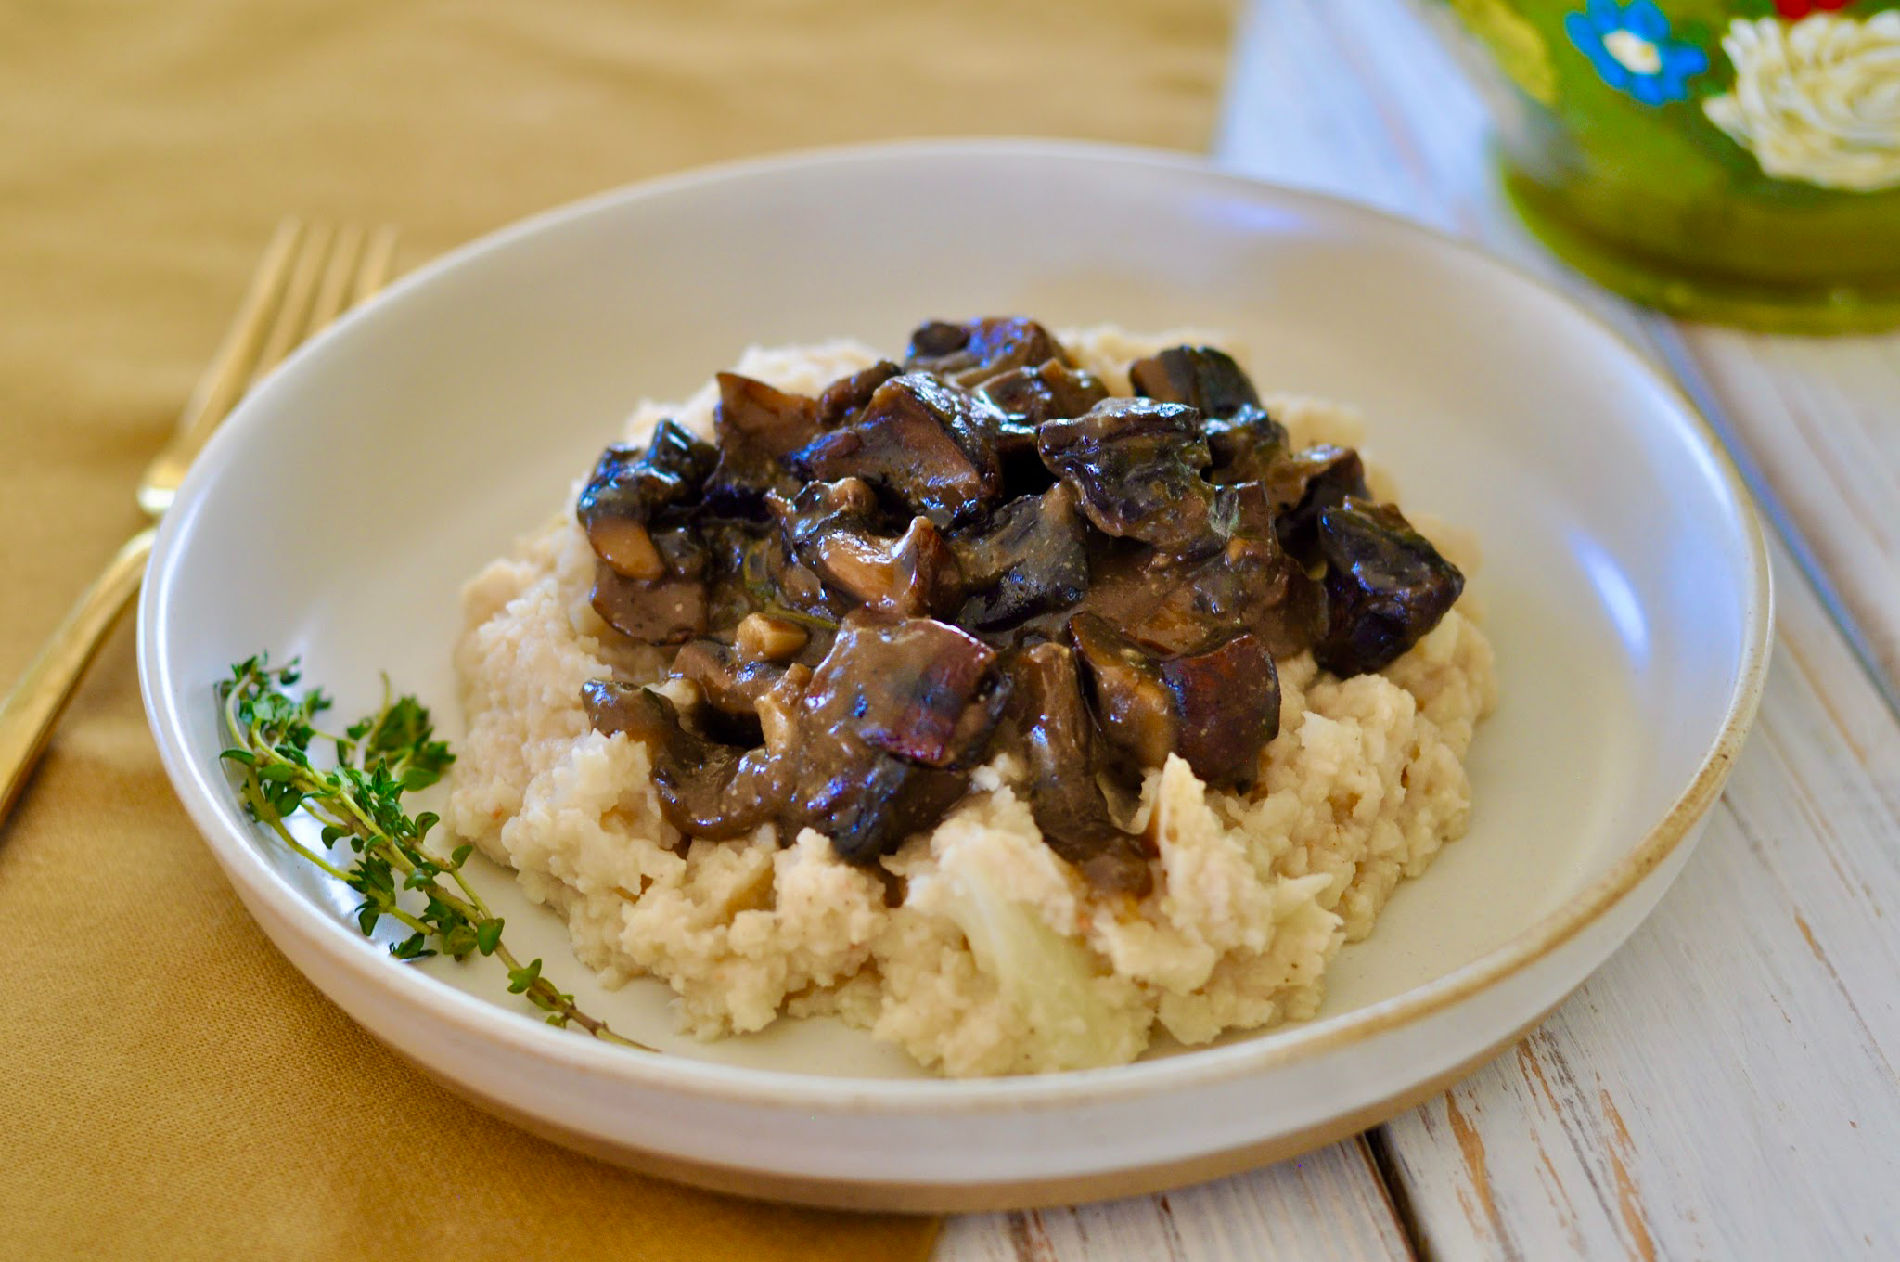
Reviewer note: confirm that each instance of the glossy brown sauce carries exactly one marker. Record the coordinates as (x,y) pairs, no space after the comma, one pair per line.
(876,590)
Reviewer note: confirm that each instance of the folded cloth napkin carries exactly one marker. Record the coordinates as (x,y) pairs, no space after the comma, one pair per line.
(171,1087)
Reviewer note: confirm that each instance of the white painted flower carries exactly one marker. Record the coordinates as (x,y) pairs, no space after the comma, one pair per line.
(1816,100)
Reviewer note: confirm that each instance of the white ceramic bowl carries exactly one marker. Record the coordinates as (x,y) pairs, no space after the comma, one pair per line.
(343,505)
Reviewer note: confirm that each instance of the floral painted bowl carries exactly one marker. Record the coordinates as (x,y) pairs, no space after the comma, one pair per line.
(1729,160)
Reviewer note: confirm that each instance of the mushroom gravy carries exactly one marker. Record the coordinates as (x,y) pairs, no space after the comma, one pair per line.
(873,590)
(982,944)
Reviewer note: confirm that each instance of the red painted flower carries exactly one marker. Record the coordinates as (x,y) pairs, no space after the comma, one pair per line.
(1801,8)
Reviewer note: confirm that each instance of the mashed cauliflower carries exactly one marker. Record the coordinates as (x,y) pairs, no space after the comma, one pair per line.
(999,958)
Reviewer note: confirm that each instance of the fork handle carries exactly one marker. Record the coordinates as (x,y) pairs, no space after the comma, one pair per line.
(28,714)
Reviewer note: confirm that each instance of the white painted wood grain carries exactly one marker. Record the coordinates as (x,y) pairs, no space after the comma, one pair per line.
(1822,418)
(1329,1204)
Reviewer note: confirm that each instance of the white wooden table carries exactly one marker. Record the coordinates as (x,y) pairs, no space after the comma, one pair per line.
(1727,1086)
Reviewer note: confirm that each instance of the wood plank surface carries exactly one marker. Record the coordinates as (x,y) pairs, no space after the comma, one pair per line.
(1822,421)
(1329,1204)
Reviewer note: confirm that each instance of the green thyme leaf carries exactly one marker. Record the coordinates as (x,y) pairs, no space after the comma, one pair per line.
(377,759)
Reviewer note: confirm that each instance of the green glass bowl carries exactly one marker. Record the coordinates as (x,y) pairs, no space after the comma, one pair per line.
(1728,160)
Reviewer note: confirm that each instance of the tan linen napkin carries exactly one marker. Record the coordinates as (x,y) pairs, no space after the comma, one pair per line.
(169,1086)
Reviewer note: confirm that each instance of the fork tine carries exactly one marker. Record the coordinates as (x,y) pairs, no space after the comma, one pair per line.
(378,258)
(224,378)
(286,331)
(224,381)
(333,291)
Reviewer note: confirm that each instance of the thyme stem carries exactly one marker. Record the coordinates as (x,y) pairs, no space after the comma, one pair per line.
(359,800)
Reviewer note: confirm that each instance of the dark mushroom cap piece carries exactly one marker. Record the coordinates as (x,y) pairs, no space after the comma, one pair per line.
(757,426)
(1227,707)
(1251,582)
(847,396)
(868,805)
(915,574)
(631,488)
(1245,445)
(1044,392)
(1027,397)
(1131,701)
(1386,586)
(669,608)
(1065,797)
(977,350)
(1217,706)
(1236,577)
(1302,483)
(887,728)
(706,789)
(667,611)
(731,687)
(922,444)
(917,689)
(1032,560)
(1203,378)
(1135,466)
(831,528)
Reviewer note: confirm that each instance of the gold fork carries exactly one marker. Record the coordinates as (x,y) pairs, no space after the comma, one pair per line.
(307,277)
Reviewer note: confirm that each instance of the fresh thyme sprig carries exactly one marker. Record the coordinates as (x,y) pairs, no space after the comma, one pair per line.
(380,758)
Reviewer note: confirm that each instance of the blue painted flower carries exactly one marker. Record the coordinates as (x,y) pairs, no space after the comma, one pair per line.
(1631,48)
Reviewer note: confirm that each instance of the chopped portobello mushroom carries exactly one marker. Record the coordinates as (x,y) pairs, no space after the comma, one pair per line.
(1217,706)
(912,575)
(1237,578)
(818,508)
(893,717)
(919,442)
(1027,397)
(728,682)
(1131,701)
(758,426)
(918,689)
(867,803)
(1245,446)
(631,488)
(1045,392)
(1032,560)
(761,417)
(1175,604)
(707,789)
(828,527)
(1059,739)
(1203,378)
(971,353)
(847,396)
(1227,707)
(1135,466)
(1303,483)
(1016,454)
(1386,586)
(663,610)
(828,566)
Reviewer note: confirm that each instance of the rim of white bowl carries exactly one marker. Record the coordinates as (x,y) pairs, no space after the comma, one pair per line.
(208,799)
